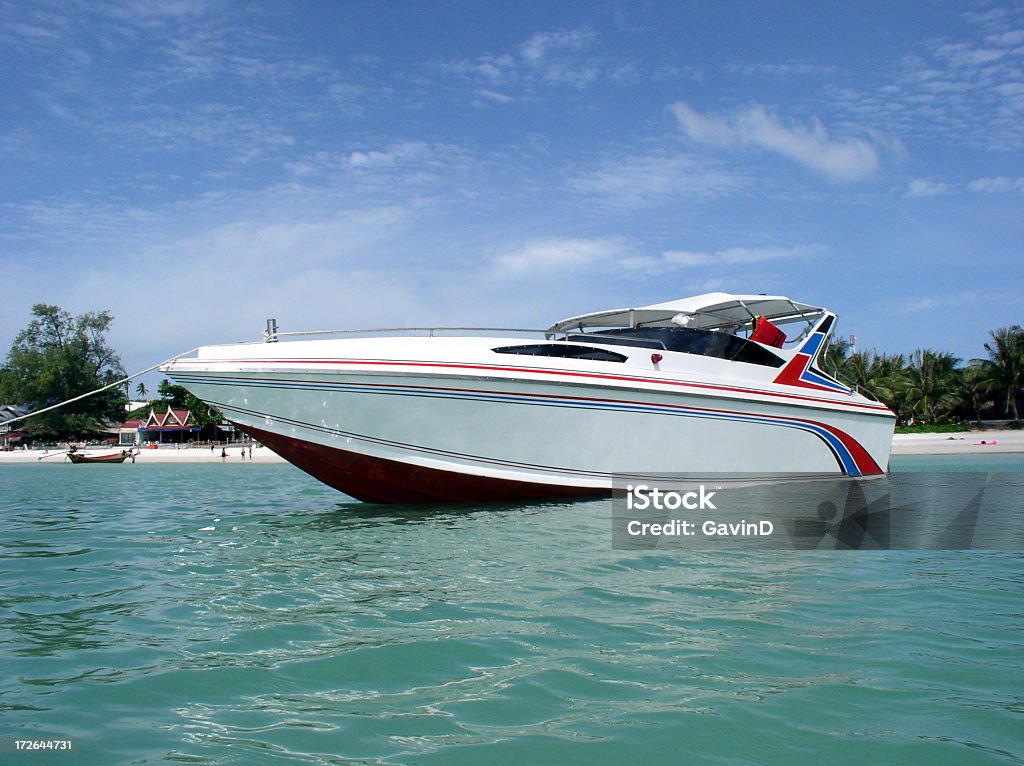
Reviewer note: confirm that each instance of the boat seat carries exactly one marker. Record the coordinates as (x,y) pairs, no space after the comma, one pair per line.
(767,333)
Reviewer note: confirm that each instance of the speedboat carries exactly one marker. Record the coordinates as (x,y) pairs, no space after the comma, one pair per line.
(710,385)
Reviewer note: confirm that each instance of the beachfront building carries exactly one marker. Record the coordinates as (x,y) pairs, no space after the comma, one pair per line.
(128,432)
(10,433)
(170,427)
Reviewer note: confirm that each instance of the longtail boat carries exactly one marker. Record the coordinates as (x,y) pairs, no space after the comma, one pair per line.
(116,457)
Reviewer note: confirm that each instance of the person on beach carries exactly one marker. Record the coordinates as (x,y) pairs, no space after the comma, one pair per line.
(223,453)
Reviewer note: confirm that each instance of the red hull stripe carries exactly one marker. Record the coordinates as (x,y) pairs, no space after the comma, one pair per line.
(379,480)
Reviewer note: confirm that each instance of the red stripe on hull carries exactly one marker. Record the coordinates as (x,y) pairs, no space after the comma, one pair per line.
(865,463)
(379,480)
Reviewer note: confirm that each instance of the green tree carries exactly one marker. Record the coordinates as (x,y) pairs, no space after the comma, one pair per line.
(890,381)
(931,386)
(882,376)
(56,358)
(853,368)
(931,381)
(974,391)
(1003,371)
(180,398)
(835,357)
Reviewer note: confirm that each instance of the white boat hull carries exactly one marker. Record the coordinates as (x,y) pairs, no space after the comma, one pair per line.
(409,436)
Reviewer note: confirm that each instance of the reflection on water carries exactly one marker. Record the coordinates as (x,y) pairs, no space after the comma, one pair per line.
(229,614)
(347,513)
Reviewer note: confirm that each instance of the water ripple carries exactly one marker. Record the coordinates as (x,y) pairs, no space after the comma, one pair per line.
(265,620)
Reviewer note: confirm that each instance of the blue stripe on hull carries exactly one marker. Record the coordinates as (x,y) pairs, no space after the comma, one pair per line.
(842,455)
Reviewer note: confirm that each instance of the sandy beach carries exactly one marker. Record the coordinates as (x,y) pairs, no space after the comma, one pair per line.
(164,454)
(975,442)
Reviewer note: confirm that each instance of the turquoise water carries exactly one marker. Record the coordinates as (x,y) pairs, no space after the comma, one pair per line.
(245,614)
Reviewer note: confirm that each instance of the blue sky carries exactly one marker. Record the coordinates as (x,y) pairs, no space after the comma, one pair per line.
(197,167)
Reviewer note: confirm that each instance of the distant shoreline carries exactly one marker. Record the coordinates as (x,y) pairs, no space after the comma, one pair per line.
(967,443)
(964,443)
(166,453)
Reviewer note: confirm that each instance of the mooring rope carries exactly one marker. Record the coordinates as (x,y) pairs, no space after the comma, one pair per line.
(120,382)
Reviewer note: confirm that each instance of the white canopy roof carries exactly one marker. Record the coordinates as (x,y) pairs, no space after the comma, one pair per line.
(709,311)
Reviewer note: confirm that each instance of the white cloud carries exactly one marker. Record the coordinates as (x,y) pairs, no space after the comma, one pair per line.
(685,259)
(968,92)
(732,256)
(966,55)
(538,47)
(417,167)
(495,96)
(957,300)
(786,69)
(559,58)
(921,187)
(845,159)
(552,54)
(568,271)
(409,151)
(493,70)
(350,269)
(545,256)
(999,184)
(641,180)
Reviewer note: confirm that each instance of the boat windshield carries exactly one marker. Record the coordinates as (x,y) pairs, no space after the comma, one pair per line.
(713,343)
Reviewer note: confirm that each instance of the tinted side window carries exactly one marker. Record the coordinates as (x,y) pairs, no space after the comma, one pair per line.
(615,339)
(566,351)
(753,353)
(689,341)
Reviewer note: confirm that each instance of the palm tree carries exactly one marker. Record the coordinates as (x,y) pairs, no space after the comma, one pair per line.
(973,392)
(141,390)
(887,379)
(930,385)
(932,380)
(1003,371)
(857,368)
(833,359)
(852,368)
